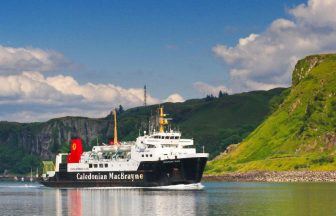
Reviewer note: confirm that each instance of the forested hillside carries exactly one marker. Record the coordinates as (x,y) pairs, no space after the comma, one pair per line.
(213,122)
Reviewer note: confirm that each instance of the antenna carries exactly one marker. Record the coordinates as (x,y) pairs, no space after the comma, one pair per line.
(145,96)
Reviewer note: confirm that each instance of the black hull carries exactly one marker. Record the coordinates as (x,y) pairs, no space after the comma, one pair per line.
(149,174)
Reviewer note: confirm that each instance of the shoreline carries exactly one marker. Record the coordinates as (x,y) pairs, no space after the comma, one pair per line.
(272,176)
(17,178)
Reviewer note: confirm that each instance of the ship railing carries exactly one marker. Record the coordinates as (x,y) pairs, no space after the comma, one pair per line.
(128,143)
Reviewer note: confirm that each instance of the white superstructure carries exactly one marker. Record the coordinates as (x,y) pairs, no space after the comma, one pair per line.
(126,156)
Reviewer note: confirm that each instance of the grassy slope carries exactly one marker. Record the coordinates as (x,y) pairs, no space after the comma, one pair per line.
(214,123)
(228,120)
(300,134)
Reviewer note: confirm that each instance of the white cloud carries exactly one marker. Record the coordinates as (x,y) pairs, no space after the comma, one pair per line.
(36,97)
(206,89)
(318,13)
(34,87)
(19,59)
(266,60)
(174,98)
(27,94)
(245,41)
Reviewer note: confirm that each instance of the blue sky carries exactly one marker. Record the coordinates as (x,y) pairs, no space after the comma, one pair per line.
(84,57)
(165,44)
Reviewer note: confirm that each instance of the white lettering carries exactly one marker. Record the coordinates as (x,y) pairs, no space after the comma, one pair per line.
(111,176)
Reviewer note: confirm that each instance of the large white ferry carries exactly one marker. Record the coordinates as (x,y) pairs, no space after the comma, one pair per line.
(157,158)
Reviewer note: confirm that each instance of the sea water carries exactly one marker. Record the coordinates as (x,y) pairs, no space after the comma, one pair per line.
(210,198)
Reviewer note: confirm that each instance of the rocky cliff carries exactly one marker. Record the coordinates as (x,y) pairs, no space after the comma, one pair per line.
(45,139)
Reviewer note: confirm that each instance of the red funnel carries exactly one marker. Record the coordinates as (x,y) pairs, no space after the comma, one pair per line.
(76,150)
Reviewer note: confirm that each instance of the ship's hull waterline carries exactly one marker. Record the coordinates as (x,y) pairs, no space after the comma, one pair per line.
(149,174)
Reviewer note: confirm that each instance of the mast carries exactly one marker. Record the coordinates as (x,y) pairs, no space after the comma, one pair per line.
(115,139)
(145,96)
(163,121)
(148,127)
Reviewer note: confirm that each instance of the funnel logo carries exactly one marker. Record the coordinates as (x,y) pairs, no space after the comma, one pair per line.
(76,150)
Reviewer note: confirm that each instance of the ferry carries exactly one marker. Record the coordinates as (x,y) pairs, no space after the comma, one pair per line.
(158,158)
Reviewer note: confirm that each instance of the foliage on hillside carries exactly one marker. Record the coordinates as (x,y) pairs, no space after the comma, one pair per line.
(16,161)
(213,122)
(300,134)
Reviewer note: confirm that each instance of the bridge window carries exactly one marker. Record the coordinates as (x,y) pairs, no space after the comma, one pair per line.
(167,137)
(151,155)
(90,165)
(106,165)
(142,155)
(172,137)
(176,137)
(95,165)
(101,165)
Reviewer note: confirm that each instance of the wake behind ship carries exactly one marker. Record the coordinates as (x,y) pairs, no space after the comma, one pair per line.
(159,158)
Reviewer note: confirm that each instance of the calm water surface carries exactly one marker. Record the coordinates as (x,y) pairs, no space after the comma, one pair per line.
(215,199)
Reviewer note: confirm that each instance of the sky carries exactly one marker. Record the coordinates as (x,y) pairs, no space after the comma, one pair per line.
(60,58)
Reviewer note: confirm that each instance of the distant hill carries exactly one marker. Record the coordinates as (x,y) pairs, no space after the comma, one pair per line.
(300,134)
(213,123)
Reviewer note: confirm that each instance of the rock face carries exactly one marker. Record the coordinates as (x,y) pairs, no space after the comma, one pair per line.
(45,139)
(300,134)
(304,66)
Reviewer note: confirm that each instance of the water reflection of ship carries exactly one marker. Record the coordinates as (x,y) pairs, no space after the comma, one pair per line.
(75,203)
(126,202)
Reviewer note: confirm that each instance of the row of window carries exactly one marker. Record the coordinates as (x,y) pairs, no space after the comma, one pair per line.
(96,165)
(147,155)
(166,137)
